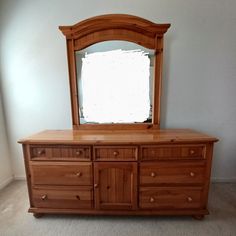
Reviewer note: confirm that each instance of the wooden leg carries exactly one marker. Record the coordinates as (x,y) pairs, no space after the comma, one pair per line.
(38,215)
(198,217)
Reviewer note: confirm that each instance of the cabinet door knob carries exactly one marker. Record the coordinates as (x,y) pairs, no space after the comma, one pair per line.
(152,199)
(95,185)
(153,174)
(192,174)
(44,197)
(115,153)
(78,197)
(78,174)
(189,199)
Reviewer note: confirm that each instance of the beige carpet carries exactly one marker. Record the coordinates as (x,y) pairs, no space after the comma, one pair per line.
(14,219)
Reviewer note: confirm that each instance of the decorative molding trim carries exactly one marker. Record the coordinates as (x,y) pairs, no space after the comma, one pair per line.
(4,183)
(113,21)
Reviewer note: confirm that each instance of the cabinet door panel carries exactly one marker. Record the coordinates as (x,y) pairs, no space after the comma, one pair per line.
(115,185)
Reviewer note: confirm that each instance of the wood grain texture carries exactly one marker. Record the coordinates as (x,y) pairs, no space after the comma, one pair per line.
(76,137)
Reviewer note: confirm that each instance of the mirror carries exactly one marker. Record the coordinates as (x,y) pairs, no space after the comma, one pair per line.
(127,98)
(115,83)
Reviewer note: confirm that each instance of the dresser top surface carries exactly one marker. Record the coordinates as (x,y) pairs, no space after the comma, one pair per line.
(117,136)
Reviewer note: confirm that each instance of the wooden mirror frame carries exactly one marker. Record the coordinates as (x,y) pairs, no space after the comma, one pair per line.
(115,27)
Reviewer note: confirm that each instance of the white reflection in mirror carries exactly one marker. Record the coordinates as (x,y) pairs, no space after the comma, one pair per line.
(114,83)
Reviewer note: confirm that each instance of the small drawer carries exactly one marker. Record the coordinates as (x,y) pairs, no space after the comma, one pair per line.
(77,153)
(171,197)
(61,173)
(56,197)
(172,152)
(172,172)
(114,153)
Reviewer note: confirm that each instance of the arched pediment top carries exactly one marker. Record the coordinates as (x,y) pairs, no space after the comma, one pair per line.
(114,21)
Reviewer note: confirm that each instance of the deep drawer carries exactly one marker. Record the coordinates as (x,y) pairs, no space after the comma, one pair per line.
(61,173)
(172,152)
(172,172)
(77,153)
(55,197)
(115,153)
(170,197)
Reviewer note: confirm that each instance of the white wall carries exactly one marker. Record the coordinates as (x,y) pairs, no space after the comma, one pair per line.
(199,72)
(5,165)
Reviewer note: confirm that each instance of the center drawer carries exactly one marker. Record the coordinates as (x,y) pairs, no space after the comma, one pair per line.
(58,197)
(115,153)
(172,172)
(61,173)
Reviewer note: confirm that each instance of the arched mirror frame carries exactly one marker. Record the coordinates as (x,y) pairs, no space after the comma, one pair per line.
(115,27)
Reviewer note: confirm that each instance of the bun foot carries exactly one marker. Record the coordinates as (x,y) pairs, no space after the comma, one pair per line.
(198,217)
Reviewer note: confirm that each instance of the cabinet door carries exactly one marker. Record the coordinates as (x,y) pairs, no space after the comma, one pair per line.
(115,185)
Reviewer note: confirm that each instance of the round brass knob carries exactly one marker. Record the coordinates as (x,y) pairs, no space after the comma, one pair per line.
(192,152)
(153,174)
(115,153)
(192,174)
(152,199)
(44,197)
(189,199)
(78,174)
(95,185)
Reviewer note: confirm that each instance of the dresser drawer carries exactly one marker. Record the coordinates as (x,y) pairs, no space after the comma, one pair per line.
(170,198)
(61,173)
(172,172)
(77,153)
(115,153)
(172,152)
(55,197)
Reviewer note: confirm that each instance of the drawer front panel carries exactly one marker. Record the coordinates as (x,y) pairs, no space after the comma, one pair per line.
(81,153)
(170,198)
(61,173)
(172,172)
(115,153)
(173,152)
(62,198)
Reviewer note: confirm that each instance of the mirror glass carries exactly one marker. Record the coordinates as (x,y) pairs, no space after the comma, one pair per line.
(115,80)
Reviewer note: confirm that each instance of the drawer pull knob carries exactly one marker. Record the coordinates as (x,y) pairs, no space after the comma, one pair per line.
(153,174)
(40,152)
(95,185)
(192,152)
(78,152)
(189,199)
(78,197)
(152,199)
(44,197)
(115,153)
(192,174)
(78,174)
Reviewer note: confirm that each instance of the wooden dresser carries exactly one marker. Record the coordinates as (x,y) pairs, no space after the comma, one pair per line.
(118,168)
(162,172)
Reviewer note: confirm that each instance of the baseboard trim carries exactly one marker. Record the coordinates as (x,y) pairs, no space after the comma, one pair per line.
(4,183)
(19,177)
(223,180)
